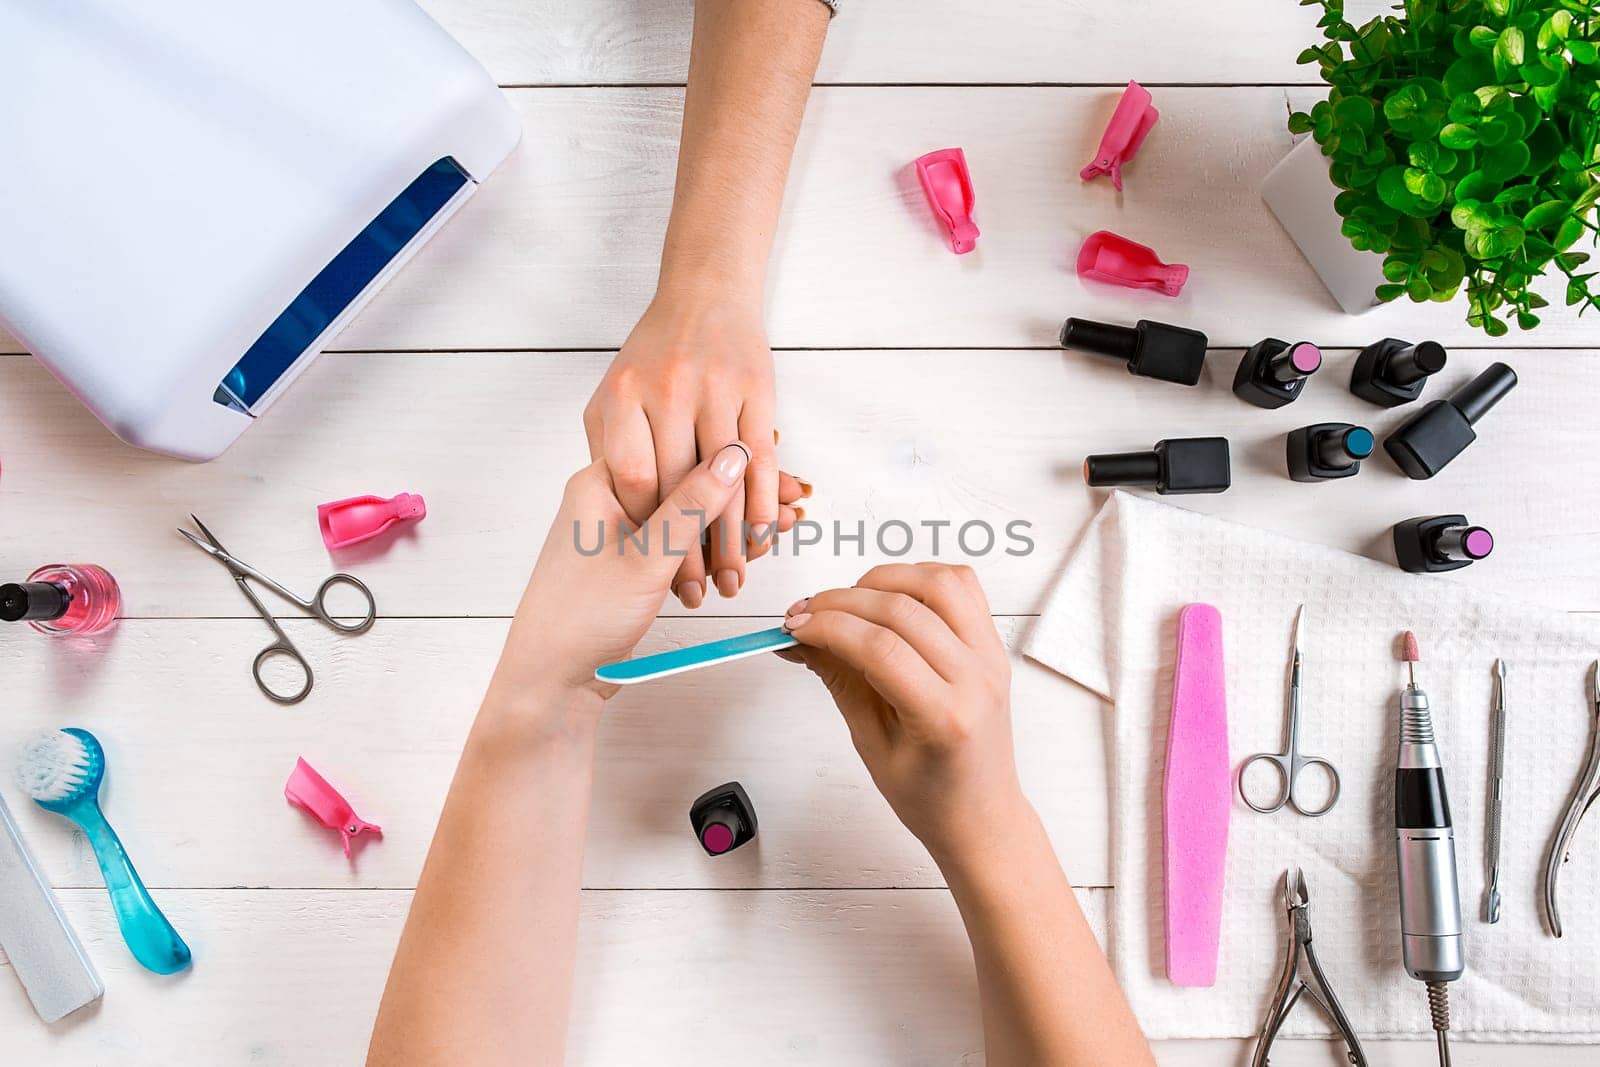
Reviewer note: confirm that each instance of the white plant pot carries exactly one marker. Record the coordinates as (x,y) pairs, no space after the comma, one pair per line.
(1300,193)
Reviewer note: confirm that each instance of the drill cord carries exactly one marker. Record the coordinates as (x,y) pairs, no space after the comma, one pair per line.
(1439,1009)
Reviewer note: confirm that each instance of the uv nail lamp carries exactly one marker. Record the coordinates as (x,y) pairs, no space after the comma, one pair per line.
(196,196)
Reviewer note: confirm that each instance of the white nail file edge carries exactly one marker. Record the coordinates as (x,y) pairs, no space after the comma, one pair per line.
(36,937)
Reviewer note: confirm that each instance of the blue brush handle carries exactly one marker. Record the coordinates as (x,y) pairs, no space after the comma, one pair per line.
(149,935)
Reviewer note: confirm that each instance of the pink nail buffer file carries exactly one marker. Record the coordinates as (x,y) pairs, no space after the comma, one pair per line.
(1196,801)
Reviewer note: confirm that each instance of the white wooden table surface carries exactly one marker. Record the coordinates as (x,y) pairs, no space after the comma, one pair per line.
(912,383)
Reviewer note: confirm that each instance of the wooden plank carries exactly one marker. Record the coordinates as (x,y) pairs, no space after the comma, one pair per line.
(837,978)
(915,437)
(560,249)
(198,760)
(545,42)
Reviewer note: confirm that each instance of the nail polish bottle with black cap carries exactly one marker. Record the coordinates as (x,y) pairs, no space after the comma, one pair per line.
(1327,450)
(1273,372)
(1393,372)
(1437,434)
(1435,543)
(1177,465)
(723,818)
(1151,349)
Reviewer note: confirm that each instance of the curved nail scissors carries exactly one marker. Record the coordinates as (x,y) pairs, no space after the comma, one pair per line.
(316,607)
(1289,762)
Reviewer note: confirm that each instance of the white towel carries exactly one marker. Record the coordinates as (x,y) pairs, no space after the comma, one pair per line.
(1110,625)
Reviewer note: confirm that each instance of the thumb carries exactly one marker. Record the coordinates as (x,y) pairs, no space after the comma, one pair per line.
(679,524)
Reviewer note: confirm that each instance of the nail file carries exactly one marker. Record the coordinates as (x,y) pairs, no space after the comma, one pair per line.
(666,664)
(1196,800)
(36,937)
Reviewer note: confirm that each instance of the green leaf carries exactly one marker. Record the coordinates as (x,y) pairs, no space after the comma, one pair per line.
(1505,161)
(1509,52)
(1458,135)
(1568,233)
(1418,289)
(1476,185)
(1540,74)
(1527,320)
(1517,194)
(1466,74)
(1544,144)
(1590,197)
(1396,269)
(1356,112)
(1482,38)
(1299,122)
(1572,260)
(1555,30)
(1498,7)
(1549,213)
(1394,191)
(1584,53)
(1386,293)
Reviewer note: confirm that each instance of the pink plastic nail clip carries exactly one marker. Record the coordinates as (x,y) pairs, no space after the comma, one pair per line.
(309,790)
(948,184)
(1108,257)
(350,522)
(1130,124)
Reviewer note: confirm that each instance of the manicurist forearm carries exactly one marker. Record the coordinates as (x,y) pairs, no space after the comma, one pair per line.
(1047,992)
(750,73)
(697,369)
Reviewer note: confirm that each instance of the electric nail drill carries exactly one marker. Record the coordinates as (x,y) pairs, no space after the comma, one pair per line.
(1273,373)
(1151,349)
(1177,465)
(1327,450)
(1393,372)
(1425,847)
(1433,544)
(1442,430)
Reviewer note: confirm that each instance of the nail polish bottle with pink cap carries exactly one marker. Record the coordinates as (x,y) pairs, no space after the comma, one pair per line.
(63,598)
(1273,372)
(723,818)
(1435,543)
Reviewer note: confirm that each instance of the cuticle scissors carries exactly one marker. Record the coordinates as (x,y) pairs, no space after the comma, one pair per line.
(1289,762)
(316,607)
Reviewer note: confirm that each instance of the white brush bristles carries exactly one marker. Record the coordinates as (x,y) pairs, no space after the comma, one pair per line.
(53,765)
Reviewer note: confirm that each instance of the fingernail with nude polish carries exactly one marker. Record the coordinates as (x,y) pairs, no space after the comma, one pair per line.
(730,463)
(728,583)
(691,593)
(798,605)
(805,488)
(794,622)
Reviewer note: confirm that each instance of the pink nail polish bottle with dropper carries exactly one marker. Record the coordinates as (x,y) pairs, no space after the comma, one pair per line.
(63,598)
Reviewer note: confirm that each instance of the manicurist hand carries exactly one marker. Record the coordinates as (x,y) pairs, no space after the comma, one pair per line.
(696,372)
(913,661)
(912,658)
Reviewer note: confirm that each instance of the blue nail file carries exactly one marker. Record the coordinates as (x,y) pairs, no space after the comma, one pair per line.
(665,664)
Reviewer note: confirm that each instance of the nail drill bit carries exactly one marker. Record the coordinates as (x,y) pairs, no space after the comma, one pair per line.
(1430,902)
(1497,768)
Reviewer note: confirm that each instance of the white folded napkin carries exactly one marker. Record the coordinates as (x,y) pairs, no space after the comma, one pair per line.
(1110,625)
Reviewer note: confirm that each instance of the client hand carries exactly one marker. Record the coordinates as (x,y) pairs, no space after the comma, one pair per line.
(599,583)
(913,661)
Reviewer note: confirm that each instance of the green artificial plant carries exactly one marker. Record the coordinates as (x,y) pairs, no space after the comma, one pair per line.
(1462,135)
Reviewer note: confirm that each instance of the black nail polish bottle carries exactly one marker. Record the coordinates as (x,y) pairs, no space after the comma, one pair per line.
(1273,372)
(723,819)
(1437,543)
(1153,349)
(1393,372)
(1178,465)
(1327,450)
(1437,434)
